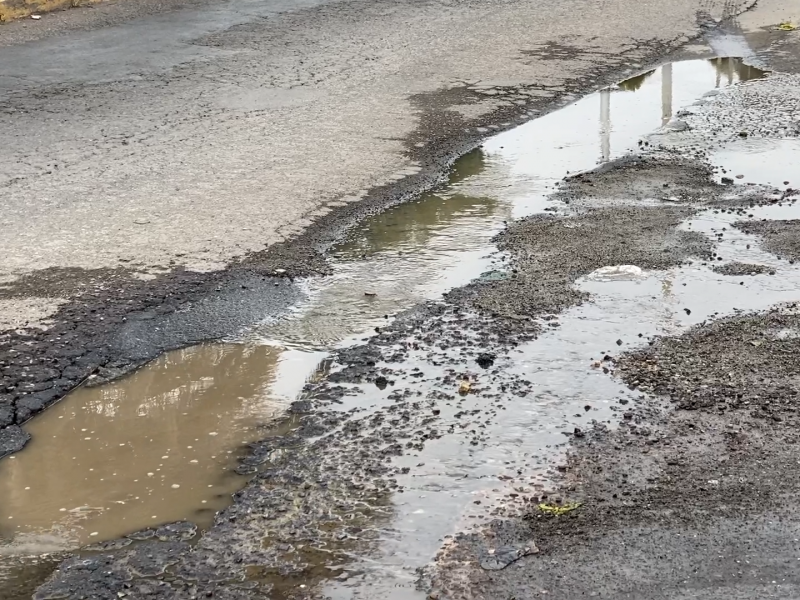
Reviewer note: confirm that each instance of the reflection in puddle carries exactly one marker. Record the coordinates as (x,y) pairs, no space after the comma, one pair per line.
(120,457)
(525,163)
(397,259)
(421,249)
(155,447)
(760,160)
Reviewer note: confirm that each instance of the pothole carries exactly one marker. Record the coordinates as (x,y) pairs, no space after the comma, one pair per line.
(120,457)
(158,446)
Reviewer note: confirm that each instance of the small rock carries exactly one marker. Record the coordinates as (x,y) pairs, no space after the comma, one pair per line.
(678,125)
(485,360)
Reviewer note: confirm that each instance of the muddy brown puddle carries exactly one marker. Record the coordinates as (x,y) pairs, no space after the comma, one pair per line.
(161,445)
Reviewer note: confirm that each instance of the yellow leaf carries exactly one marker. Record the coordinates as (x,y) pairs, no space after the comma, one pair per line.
(464,388)
(786,26)
(558,509)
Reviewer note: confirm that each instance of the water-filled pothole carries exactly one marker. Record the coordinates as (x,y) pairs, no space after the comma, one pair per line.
(423,248)
(391,262)
(155,447)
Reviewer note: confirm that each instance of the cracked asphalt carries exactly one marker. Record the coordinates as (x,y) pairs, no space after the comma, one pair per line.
(155,165)
(165,198)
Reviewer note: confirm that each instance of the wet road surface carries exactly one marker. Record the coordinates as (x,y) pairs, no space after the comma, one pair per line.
(566,387)
(479,407)
(200,405)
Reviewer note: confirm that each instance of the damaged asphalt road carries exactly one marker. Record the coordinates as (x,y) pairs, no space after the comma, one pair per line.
(680,486)
(700,501)
(182,263)
(677,484)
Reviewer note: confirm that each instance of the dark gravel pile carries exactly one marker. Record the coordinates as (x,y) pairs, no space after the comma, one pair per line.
(738,269)
(779,237)
(548,254)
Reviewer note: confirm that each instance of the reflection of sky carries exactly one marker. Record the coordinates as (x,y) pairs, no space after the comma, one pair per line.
(537,154)
(762,161)
(419,250)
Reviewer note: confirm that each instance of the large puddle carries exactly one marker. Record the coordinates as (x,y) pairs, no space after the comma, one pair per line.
(161,445)
(156,447)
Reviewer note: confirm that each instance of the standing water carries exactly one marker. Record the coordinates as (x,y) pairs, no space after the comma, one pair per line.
(161,445)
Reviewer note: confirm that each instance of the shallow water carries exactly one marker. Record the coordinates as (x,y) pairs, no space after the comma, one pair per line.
(157,446)
(119,457)
(423,248)
(761,161)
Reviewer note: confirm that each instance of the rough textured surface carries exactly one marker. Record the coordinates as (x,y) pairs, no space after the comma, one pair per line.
(668,178)
(548,254)
(738,269)
(407,383)
(329,489)
(779,237)
(171,164)
(161,146)
(712,479)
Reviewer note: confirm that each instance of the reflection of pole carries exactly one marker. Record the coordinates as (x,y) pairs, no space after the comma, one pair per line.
(666,93)
(670,325)
(730,70)
(605,125)
(719,71)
